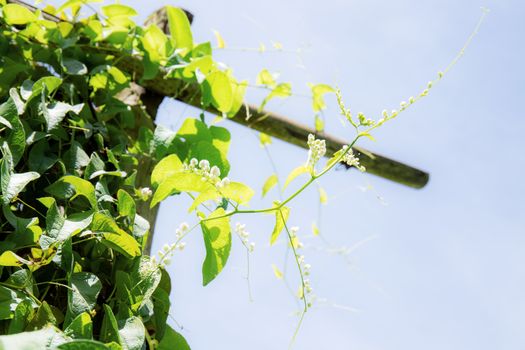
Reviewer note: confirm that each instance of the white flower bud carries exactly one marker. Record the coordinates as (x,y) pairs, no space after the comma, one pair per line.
(204,165)
(215,171)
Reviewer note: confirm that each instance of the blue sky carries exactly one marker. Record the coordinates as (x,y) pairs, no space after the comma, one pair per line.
(437,268)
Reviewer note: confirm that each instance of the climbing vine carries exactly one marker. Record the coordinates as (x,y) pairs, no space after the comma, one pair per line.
(84,167)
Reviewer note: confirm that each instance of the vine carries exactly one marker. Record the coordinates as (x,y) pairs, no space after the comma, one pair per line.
(84,168)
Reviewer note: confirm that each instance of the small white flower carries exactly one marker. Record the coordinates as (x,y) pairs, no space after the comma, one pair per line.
(215,171)
(204,165)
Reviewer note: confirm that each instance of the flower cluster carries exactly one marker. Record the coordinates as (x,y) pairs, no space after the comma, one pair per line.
(240,229)
(306,288)
(167,250)
(209,173)
(350,159)
(317,150)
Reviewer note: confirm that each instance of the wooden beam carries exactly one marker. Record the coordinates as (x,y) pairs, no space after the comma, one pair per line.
(270,123)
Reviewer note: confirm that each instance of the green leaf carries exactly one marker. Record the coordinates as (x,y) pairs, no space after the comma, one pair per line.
(294,173)
(74,67)
(17,14)
(55,112)
(217,239)
(146,277)
(59,229)
(126,204)
(40,157)
(109,330)
(280,214)
(23,313)
(83,344)
(16,136)
(70,187)
(12,184)
(168,166)
(114,236)
(50,83)
(282,90)
(207,150)
(217,90)
(81,327)
(44,316)
(180,30)
(269,184)
(132,333)
(75,158)
(22,279)
(82,297)
(9,300)
(33,340)
(318,92)
(173,340)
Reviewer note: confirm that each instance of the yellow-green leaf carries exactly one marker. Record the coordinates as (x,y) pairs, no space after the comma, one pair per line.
(281,216)
(116,10)
(217,239)
(8,258)
(269,184)
(179,182)
(180,31)
(282,90)
(294,173)
(323,197)
(238,192)
(168,166)
(278,273)
(318,92)
(315,229)
(265,139)
(220,41)
(17,14)
(266,78)
(217,90)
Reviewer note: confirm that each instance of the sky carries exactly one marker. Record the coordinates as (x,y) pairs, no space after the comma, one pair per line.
(397,268)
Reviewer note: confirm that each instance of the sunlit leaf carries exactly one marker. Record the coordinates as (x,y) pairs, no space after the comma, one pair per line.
(168,166)
(323,197)
(266,78)
(217,90)
(277,273)
(318,92)
(17,14)
(294,173)
(282,90)
(281,216)
(269,184)
(220,41)
(180,31)
(217,239)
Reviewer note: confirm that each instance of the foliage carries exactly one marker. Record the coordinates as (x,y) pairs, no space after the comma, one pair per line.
(83,170)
